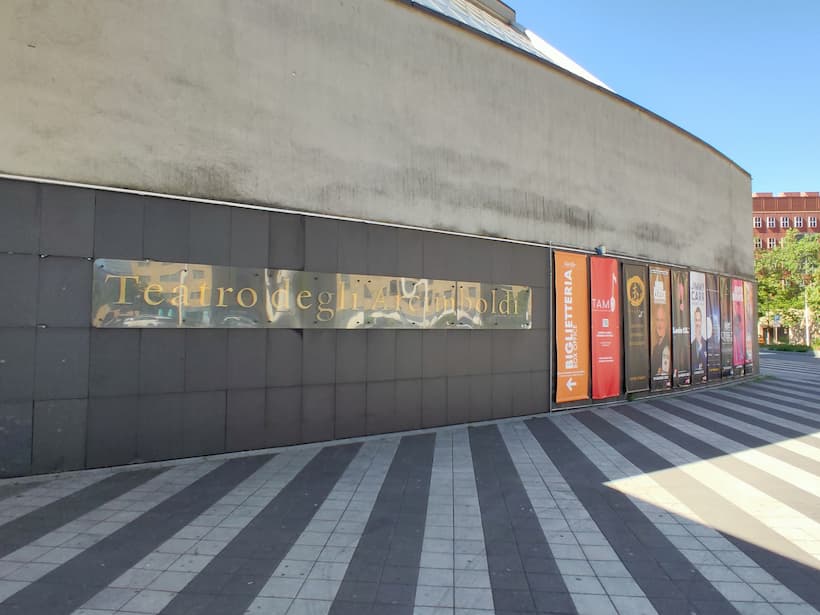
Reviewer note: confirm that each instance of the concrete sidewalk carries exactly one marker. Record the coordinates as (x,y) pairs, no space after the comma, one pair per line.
(706,502)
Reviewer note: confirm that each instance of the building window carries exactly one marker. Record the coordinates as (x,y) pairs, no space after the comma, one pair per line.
(784,222)
(758,222)
(772,242)
(770,222)
(798,222)
(812,222)
(758,243)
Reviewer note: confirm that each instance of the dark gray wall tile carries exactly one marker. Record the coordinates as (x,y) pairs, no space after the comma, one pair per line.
(61,366)
(481,351)
(65,292)
(203,423)
(502,262)
(318,403)
(540,390)
(502,396)
(382,254)
(523,402)
(381,407)
(352,247)
(318,356)
(472,259)
(437,257)
(458,399)
(59,435)
(539,307)
(287,241)
(283,416)
(19,216)
(503,345)
(18,281)
(206,359)
(17,364)
(247,350)
(408,404)
(167,225)
(112,431)
(284,357)
(245,420)
(162,361)
(381,354)
(160,427)
(321,241)
(15,438)
(118,225)
(434,353)
(530,265)
(481,398)
(459,360)
(433,402)
(210,234)
(67,221)
(351,401)
(409,253)
(535,347)
(351,355)
(249,237)
(408,354)
(114,362)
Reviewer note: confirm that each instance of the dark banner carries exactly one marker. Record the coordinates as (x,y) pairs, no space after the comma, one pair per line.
(681,346)
(661,355)
(636,332)
(726,346)
(751,320)
(699,316)
(605,306)
(712,327)
(738,328)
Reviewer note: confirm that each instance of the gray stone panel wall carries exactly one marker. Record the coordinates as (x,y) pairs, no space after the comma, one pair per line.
(72,396)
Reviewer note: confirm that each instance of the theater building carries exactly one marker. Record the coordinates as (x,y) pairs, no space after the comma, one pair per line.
(232,226)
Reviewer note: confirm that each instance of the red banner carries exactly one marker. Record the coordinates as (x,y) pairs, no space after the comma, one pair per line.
(605,303)
(571,327)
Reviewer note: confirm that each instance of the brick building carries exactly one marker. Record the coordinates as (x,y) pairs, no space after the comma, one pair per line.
(774,214)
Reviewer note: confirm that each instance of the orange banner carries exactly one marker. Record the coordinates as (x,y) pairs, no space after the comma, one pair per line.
(571,327)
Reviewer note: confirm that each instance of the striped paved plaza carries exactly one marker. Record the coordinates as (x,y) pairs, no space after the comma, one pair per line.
(706,502)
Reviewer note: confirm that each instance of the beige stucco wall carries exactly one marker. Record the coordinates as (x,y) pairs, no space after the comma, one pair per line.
(372,109)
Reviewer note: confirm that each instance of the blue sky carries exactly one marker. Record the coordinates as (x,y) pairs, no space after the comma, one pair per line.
(743,75)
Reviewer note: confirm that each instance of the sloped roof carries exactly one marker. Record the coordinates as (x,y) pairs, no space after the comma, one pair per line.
(513,34)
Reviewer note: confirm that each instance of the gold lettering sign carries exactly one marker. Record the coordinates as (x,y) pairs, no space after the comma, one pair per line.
(144,294)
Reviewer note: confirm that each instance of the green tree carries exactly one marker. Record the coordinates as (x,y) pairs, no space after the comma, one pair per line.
(785,276)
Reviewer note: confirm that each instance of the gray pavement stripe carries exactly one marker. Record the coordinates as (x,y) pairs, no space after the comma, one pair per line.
(802,381)
(36,524)
(312,571)
(568,526)
(10,489)
(791,449)
(393,536)
(44,494)
(785,416)
(523,573)
(56,563)
(736,454)
(228,583)
(171,565)
(778,408)
(71,585)
(661,571)
(58,549)
(654,454)
(777,391)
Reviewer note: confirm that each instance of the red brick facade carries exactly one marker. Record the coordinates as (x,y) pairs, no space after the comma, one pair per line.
(774,214)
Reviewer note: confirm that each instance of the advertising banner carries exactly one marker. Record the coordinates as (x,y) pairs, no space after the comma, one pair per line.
(738,328)
(571,327)
(681,345)
(660,362)
(605,306)
(636,329)
(712,327)
(726,345)
(700,328)
(750,320)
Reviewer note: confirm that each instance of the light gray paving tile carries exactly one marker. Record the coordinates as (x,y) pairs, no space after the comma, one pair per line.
(172,581)
(469,547)
(309,607)
(432,610)
(441,577)
(430,595)
(610,569)
(471,579)
(9,588)
(774,592)
(148,601)
(620,586)
(755,608)
(334,571)
(718,573)
(445,560)
(588,604)
(583,585)
(701,556)
(318,589)
(473,598)
(269,606)
(600,553)
(30,572)
(567,552)
(190,563)
(135,579)
(112,598)
(627,605)
(795,609)
(282,587)
(293,568)
(752,574)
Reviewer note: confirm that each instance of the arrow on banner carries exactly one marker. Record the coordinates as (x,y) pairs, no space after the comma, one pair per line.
(571,383)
